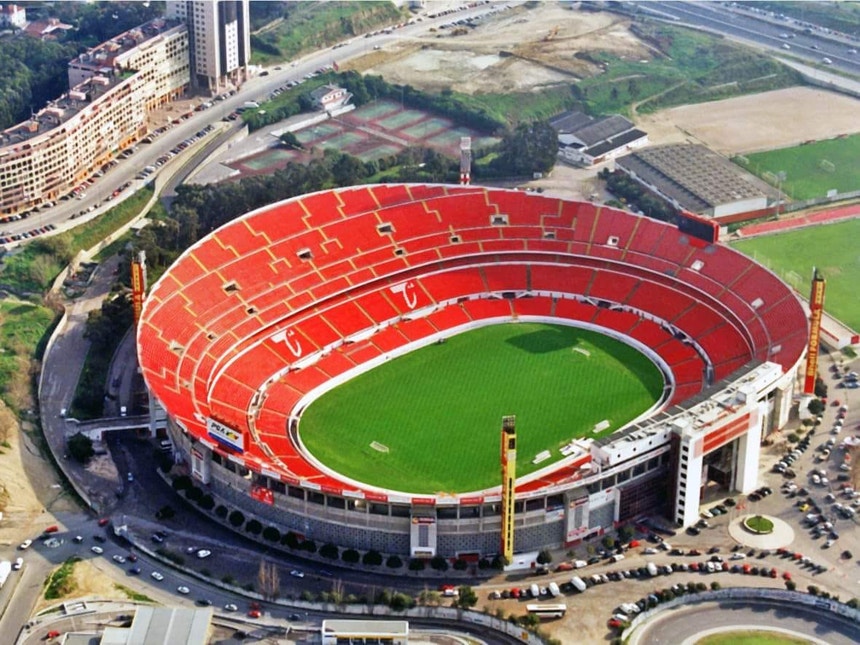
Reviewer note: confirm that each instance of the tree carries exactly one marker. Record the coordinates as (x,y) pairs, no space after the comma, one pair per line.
(254,527)
(290,540)
(330,551)
(401,601)
(815,407)
(351,556)
(394,562)
(221,511)
(207,502)
(544,557)
(467,597)
(530,148)
(429,598)
(80,447)
(372,558)
(820,387)
(289,140)
(460,564)
(236,519)
(416,564)
(271,534)
(193,494)
(438,563)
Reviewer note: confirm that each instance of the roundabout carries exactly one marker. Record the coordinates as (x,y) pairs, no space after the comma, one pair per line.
(761,532)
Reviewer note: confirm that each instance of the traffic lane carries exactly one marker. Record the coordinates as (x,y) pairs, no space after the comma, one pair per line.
(685,623)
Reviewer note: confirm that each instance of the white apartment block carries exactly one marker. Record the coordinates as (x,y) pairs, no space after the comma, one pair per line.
(114,87)
(220,40)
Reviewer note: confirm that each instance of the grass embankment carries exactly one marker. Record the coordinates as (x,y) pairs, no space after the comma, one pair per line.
(61,583)
(793,255)
(750,637)
(438,410)
(310,26)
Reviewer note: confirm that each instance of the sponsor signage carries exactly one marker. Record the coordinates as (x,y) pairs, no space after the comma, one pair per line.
(138,286)
(225,436)
(263,494)
(816,307)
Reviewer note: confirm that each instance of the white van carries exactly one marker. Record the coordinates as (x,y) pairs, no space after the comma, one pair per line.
(618,557)
(578,584)
(535,591)
(652,569)
(579,564)
(554,591)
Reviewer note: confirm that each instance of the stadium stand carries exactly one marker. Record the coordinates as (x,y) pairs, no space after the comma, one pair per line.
(255,316)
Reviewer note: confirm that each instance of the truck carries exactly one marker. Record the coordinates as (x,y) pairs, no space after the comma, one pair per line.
(5,570)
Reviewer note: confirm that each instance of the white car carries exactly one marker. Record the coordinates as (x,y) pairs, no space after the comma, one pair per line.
(204,553)
(119,559)
(19,562)
(737,556)
(25,545)
(97,550)
(230,607)
(157,576)
(650,551)
(183,590)
(295,573)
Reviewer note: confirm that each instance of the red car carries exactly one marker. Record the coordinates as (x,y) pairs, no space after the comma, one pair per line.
(564,566)
(614,623)
(773,573)
(52,529)
(515,593)
(254,613)
(786,576)
(104,521)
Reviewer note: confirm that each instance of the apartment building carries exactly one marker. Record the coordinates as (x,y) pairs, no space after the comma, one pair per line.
(113,88)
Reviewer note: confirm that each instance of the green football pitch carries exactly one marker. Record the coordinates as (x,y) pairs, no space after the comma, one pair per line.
(438,410)
(830,247)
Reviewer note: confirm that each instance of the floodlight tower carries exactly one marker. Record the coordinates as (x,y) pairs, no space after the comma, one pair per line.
(465,161)
(138,284)
(816,309)
(509,484)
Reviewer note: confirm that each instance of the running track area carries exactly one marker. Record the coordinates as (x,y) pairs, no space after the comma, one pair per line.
(822,217)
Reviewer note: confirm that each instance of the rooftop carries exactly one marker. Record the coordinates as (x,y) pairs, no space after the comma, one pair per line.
(106,54)
(694,176)
(60,110)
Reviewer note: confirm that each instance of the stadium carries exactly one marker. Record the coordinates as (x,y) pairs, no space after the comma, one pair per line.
(307,356)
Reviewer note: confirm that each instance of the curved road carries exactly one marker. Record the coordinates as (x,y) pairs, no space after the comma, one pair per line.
(686,623)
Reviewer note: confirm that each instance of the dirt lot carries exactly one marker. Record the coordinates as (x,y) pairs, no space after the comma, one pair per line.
(745,124)
(539,45)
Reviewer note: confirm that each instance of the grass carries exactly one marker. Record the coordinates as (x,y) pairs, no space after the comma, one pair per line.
(132,594)
(310,26)
(439,409)
(793,254)
(759,524)
(521,107)
(694,67)
(60,583)
(805,178)
(24,327)
(36,265)
(750,637)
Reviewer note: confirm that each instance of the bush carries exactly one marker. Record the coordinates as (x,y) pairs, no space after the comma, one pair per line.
(310,546)
(700,586)
(330,551)
(221,511)
(228,579)
(793,438)
(290,540)
(236,519)
(854,603)
(544,557)
(460,565)
(715,586)
(207,502)
(416,564)
(499,562)
(372,558)
(608,542)
(165,513)
(182,482)
(394,562)
(271,534)
(484,564)
(401,602)
(791,585)
(254,527)
(350,556)
(193,494)
(438,563)
(813,590)
(815,407)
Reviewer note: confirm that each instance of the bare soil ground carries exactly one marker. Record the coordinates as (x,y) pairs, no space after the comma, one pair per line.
(26,478)
(745,124)
(513,51)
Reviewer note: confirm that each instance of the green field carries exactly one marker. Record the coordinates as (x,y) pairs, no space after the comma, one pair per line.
(439,409)
(750,637)
(805,175)
(792,256)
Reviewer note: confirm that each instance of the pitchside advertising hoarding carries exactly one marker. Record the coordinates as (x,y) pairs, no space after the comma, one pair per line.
(225,436)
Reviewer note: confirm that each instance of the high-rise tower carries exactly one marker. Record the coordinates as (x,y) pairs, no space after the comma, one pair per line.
(219,34)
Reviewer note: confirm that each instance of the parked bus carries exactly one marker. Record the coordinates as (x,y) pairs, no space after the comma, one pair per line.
(547,611)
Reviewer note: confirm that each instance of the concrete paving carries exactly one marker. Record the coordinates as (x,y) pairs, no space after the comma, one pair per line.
(782,534)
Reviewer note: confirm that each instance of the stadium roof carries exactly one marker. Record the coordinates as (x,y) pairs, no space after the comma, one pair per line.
(692,175)
(158,625)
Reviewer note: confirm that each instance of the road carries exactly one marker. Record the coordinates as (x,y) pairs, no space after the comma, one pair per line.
(683,625)
(763,31)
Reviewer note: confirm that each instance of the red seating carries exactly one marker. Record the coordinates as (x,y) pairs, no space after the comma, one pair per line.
(313,271)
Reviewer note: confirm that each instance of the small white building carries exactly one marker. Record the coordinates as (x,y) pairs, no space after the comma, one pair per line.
(387,632)
(586,141)
(330,97)
(11,15)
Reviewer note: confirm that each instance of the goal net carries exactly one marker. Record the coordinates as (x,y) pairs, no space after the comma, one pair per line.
(379,447)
